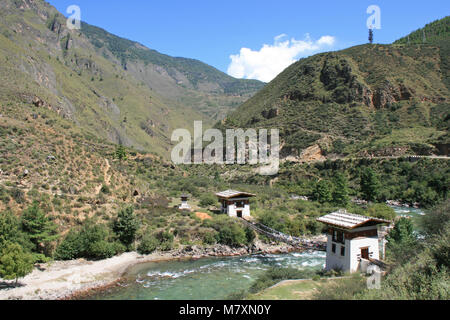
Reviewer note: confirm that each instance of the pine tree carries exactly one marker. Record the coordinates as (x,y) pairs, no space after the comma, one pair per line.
(9,228)
(340,191)
(370,36)
(14,262)
(322,192)
(126,226)
(40,229)
(370,185)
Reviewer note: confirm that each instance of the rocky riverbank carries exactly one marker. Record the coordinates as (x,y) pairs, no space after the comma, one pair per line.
(74,279)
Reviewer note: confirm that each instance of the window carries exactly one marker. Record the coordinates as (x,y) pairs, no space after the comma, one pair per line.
(333,248)
(340,237)
(343,251)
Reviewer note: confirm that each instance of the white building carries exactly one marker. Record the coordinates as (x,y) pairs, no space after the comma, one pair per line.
(351,239)
(184,202)
(235,203)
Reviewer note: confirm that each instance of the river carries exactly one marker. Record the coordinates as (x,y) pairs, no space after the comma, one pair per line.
(203,279)
(209,278)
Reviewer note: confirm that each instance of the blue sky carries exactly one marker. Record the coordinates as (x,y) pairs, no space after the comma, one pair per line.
(212,31)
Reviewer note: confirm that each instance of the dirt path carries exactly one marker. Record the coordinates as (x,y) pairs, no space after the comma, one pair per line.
(106,177)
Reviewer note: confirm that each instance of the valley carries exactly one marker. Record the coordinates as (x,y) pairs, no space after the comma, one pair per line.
(87,181)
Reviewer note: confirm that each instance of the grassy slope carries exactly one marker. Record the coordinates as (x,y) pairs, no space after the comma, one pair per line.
(292,290)
(362,96)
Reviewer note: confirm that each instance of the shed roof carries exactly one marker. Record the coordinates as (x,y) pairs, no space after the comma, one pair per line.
(347,220)
(233,193)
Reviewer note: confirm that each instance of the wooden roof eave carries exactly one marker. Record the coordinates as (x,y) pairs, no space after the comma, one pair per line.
(358,225)
(245,195)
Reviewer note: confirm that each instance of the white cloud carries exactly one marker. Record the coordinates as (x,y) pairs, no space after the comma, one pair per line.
(271,60)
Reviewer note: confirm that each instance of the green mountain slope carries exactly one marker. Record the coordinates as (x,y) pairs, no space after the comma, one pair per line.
(114,88)
(378,100)
(188,81)
(433,33)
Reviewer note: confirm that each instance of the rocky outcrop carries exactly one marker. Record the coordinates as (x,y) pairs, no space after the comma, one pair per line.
(148,126)
(108,105)
(390,93)
(313,153)
(220,250)
(271,113)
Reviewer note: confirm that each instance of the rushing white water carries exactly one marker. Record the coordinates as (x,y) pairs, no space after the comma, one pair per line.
(407,211)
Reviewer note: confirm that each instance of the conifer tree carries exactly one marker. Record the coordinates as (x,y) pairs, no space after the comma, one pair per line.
(126,226)
(14,262)
(40,229)
(340,191)
(322,192)
(370,185)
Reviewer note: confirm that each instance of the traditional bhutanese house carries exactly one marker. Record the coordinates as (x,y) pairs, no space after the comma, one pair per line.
(352,239)
(184,202)
(235,203)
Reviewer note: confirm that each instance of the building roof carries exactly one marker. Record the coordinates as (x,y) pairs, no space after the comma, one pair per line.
(233,193)
(347,220)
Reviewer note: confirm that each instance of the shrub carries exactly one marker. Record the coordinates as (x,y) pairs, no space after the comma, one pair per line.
(231,235)
(92,241)
(250,235)
(165,239)
(105,189)
(18,195)
(209,238)
(207,200)
(148,244)
(71,247)
(436,218)
(101,250)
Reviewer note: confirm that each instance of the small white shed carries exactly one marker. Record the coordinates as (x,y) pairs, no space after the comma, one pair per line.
(351,239)
(235,203)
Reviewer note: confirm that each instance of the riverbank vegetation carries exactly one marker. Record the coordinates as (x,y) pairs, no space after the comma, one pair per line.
(418,266)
